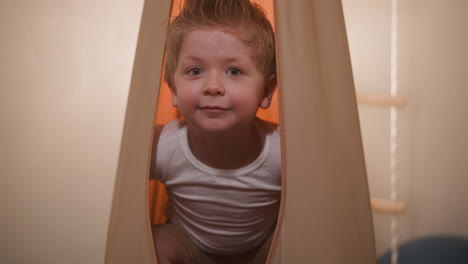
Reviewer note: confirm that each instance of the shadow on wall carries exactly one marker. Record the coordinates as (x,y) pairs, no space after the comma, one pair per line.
(431,250)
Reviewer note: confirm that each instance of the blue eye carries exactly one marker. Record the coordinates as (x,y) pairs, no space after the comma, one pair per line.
(195,71)
(234,71)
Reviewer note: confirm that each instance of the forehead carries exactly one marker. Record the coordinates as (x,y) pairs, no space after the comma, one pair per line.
(217,37)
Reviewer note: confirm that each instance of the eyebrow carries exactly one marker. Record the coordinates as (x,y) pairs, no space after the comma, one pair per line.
(228,59)
(190,57)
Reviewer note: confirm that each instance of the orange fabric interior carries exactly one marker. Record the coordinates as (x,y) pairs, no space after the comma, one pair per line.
(166,112)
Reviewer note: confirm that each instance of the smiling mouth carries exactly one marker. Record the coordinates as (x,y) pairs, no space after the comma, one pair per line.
(213,109)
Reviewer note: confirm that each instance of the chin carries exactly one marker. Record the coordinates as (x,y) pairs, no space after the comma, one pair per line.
(213,126)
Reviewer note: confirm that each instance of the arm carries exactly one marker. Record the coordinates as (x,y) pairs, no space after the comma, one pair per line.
(154,150)
(157,191)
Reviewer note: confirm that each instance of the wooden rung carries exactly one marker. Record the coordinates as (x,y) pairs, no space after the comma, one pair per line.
(387,207)
(379,99)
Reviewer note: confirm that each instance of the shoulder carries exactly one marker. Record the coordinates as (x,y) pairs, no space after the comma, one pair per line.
(163,133)
(171,128)
(170,136)
(165,141)
(270,134)
(272,151)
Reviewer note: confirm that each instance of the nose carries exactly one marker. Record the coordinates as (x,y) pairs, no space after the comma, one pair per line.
(214,86)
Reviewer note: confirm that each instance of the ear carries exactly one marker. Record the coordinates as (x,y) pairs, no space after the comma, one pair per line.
(270,88)
(174,96)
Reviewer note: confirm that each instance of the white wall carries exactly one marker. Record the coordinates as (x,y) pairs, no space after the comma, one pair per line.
(433,77)
(64,81)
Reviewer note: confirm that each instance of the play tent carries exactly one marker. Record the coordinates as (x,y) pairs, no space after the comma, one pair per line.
(82,78)
(325,204)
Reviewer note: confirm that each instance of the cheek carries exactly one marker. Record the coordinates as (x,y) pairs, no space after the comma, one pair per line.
(247,100)
(186,98)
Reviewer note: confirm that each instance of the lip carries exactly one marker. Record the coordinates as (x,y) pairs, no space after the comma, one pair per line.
(213,109)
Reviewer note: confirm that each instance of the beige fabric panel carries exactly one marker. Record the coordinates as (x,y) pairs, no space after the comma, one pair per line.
(129,239)
(65,70)
(327,217)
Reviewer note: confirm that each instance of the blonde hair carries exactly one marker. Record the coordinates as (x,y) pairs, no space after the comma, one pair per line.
(229,14)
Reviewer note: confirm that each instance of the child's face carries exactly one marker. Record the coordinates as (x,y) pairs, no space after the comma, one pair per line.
(217,85)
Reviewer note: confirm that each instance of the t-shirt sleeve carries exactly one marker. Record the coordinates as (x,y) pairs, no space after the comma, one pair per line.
(154,150)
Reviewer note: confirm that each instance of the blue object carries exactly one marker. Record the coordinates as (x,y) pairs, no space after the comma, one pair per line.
(431,250)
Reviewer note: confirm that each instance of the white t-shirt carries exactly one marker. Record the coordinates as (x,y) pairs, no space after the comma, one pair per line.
(223,211)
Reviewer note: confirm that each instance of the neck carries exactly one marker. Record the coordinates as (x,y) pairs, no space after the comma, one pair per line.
(226,149)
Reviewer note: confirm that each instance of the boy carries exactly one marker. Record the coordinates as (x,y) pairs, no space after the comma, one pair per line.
(221,165)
